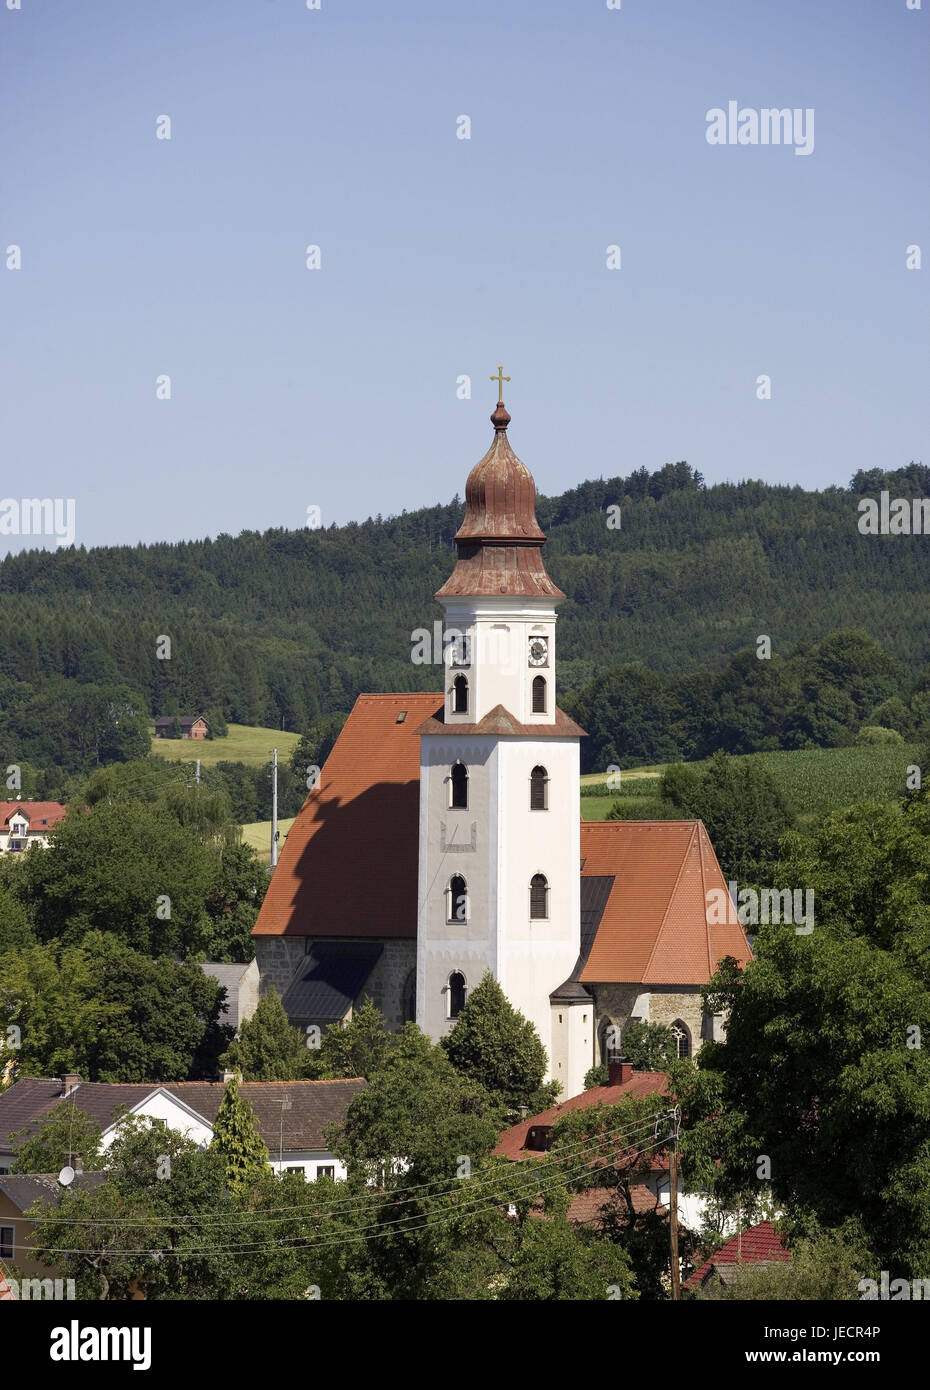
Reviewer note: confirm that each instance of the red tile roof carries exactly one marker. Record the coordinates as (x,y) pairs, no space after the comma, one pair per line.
(512,1143)
(35,812)
(654,929)
(592,1207)
(759,1245)
(349,863)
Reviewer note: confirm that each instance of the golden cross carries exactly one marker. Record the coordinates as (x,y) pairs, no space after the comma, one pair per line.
(500,379)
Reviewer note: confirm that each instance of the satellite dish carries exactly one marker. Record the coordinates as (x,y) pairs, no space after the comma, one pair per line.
(66,1176)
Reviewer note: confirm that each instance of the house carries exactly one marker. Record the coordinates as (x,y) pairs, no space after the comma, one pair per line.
(760,1245)
(192,725)
(532,1137)
(292,1116)
(18,1192)
(25,823)
(443,838)
(241,985)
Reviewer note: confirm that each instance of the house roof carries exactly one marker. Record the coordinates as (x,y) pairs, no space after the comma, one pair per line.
(654,927)
(349,863)
(229,977)
(512,1143)
(38,813)
(596,1204)
(314,1104)
(186,721)
(25,1188)
(502,724)
(759,1245)
(329,978)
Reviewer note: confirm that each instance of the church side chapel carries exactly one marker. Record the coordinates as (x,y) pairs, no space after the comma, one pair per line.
(444,837)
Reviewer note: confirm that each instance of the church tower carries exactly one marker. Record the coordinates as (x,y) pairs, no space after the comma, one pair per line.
(499,860)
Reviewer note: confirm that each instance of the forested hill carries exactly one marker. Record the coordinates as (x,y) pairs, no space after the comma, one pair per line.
(287,625)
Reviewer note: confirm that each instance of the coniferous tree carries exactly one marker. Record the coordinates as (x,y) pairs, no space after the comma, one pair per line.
(236,1137)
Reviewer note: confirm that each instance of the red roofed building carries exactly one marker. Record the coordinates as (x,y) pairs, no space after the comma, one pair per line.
(760,1245)
(444,841)
(25,823)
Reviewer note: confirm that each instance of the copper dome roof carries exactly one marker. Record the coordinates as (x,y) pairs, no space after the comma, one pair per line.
(500,541)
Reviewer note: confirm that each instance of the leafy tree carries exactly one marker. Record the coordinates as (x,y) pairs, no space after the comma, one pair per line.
(823,1053)
(236,1138)
(356,1048)
(743,809)
(494,1044)
(268,1047)
(649,1046)
(317,743)
(66,1134)
(596,1076)
(417,1107)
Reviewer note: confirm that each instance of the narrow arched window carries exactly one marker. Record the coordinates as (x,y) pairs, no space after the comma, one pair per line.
(539,789)
(456,994)
(682,1038)
(459,785)
(539,694)
(457,895)
(460,695)
(539,897)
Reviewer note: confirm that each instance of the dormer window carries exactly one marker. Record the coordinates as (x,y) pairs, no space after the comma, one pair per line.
(460,695)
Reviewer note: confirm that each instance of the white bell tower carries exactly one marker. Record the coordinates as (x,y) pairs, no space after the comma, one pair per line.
(499,865)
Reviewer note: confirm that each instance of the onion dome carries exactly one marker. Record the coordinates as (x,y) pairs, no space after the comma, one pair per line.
(500,541)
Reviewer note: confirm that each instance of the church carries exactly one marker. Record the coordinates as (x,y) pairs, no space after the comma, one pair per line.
(443,838)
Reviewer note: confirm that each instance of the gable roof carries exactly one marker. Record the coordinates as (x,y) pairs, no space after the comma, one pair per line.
(230,977)
(313,1104)
(349,863)
(512,1143)
(39,814)
(186,721)
(653,929)
(759,1245)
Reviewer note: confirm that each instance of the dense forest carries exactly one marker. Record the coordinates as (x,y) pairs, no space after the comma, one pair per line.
(288,626)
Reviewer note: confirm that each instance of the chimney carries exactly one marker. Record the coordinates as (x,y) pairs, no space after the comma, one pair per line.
(618,1072)
(69,1082)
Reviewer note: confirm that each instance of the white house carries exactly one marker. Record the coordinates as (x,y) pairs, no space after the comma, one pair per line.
(291,1116)
(25,823)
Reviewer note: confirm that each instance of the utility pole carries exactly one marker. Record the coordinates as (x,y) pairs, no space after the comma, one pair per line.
(274,809)
(674,1119)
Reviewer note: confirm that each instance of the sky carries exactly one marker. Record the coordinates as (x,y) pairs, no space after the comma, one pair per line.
(340,387)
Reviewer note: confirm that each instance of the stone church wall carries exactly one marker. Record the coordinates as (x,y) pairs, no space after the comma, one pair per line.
(661,1004)
(279,958)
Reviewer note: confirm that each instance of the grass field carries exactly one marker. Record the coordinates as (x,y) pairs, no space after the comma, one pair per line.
(244,745)
(815,781)
(258,834)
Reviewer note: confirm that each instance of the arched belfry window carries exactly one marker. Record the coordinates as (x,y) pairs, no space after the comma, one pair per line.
(459,780)
(457,899)
(456,993)
(539,695)
(539,789)
(460,695)
(539,897)
(682,1038)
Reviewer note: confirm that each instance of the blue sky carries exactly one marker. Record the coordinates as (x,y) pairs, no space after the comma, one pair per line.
(441,257)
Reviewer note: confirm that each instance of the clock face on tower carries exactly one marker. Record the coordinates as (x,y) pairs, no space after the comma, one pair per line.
(539,651)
